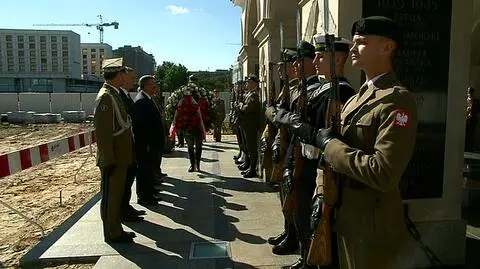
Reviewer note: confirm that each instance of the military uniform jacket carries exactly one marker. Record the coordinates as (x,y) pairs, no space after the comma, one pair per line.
(312,83)
(379,126)
(112,129)
(250,111)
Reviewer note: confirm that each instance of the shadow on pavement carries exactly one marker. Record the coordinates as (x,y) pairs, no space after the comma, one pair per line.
(194,205)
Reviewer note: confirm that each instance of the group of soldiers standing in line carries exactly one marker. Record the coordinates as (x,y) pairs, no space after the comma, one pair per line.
(378,125)
(246,121)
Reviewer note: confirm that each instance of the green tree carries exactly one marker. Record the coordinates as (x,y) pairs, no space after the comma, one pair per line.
(171,76)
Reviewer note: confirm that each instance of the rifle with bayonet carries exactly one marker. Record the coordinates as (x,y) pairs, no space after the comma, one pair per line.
(321,246)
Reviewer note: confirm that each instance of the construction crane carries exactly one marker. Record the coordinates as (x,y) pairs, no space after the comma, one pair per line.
(99,26)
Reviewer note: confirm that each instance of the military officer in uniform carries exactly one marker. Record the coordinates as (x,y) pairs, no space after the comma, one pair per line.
(250,113)
(220,116)
(377,139)
(114,149)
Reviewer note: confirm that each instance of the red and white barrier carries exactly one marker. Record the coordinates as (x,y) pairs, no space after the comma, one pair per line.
(13,162)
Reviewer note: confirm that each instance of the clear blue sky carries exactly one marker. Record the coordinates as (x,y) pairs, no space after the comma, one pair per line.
(198,34)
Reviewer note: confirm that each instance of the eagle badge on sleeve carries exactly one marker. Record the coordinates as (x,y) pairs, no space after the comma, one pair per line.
(401,118)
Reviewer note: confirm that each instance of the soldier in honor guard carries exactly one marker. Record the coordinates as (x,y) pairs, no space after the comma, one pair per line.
(129,213)
(306,130)
(237,97)
(220,116)
(377,139)
(287,241)
(250,114)
(114,149)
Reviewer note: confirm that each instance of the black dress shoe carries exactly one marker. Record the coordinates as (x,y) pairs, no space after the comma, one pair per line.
(275,240)
(131,218)
(287,246)
(147,202)
(191,168)
(297,265)
(244,167)
(198,167)
(250,174)
(122,239)
(130,234)
(133,211)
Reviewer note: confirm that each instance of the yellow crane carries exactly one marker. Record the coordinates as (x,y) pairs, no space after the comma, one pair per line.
(99,26)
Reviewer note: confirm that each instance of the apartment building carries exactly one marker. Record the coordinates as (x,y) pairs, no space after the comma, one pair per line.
(38,60)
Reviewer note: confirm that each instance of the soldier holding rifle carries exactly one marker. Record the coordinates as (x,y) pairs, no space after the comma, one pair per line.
(372,150)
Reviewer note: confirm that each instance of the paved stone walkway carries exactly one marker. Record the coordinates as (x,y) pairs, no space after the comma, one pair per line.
(217,211)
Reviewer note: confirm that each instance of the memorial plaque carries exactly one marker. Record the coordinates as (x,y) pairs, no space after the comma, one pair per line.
(422,64)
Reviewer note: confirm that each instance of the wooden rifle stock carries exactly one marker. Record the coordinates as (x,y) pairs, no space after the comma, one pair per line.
(321,244)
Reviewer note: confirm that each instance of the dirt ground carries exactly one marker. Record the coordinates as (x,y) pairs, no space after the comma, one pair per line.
(14,137)
(36,192)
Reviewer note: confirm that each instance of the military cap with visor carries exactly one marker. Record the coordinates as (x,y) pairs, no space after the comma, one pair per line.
(289,55)
(379,26)
(340,44)
(113,65)
(252,78)
(305,49)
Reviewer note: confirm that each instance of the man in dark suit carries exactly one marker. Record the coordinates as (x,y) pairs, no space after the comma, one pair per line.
(128,212)
(149,138)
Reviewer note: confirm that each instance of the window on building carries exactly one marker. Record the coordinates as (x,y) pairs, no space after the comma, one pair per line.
(31,39)
(20,45)
(93,50)
(53,39)
(84,56)
(54,67)
(9,45)
(21,53)
(65,46)
(65,53)
(43,53)
(64,39)
(54,53)
(19,38)
(31,46)
(43,39)
(33,67)
(8,38)
(43,46)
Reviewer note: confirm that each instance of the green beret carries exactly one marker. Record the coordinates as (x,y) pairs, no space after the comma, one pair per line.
(341,44)
(305,49)
(380,26)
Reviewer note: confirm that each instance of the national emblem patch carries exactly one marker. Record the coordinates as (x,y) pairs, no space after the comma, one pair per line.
(401,118)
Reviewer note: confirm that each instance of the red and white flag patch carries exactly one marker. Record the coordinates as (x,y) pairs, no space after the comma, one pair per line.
(401,118)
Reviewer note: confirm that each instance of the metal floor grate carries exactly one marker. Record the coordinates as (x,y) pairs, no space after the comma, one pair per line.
(209,250)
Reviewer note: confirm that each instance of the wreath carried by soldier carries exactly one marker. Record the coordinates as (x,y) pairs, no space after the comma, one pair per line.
(182,106)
